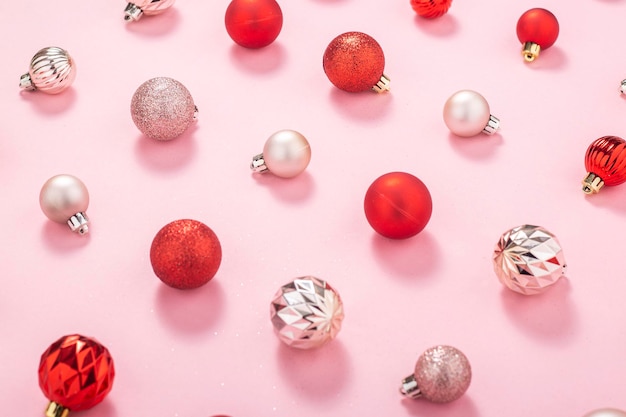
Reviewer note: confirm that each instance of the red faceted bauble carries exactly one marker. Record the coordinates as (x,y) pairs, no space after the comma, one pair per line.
(185,254)
(606,160)
(76,372)
(538,26)
(354,62)
(431,9)
(253,23)
(398,205)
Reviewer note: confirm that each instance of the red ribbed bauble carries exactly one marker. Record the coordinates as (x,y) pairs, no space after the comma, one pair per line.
(398,205)
(253,23)
(185,254)
(431,9)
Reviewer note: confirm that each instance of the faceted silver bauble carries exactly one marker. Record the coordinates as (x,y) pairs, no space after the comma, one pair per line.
(528,259)
(52,70)
(306,313)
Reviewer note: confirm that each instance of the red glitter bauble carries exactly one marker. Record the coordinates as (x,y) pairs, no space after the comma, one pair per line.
(76,372)
(606,160)
(538,26)
(431,9)
(253,23)
(354,62)
(185,254)
(398,205)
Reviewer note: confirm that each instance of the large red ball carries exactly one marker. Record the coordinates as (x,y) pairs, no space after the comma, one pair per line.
(398,205)
(539,26)
(185,254)
(253,23)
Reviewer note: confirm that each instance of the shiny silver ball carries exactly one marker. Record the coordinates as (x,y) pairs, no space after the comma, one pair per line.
(64,199)
(52,70)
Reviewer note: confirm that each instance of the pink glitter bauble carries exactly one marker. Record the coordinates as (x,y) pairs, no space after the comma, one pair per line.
(162,108)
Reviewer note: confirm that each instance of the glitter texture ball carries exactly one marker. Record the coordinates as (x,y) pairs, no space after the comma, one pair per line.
(185,254)
(76,372)
(306,313)
(443,374)
(528,259)
(162,108)
(354,62)
(431,9)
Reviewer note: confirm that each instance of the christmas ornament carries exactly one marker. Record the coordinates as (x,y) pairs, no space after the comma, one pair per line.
(431,9)
(398,205)
(442,374)
(162,108)
(64,199)
(537,29)
(52,70)
(606,412)
(286,154)
(466,113)
(355,62)
(185,254)
(253,23)
(306,313)
(138,8)
(605,162)
(528,259)
(75,373)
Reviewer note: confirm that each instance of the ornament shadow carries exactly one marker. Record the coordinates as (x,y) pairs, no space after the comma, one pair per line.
(290,190)
(479,148)
(443,26)
(50,104)
(190,311)
(258,61)
(151,26)
(408,259)
(463,407)
(550,59)
(167,155)
(105,409)
(315,374)
(366,106)
(60,238)
(611,198)
(549,317)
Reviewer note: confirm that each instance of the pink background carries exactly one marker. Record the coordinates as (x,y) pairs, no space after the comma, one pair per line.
(212,350)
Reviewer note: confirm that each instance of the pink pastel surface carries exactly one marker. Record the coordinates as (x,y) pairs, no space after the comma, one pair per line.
(212,351)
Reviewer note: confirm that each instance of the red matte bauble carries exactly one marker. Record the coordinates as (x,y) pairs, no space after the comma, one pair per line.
(253,23)
(605,159)
(76,373)
(538,26)
(354,62)
(185,254)
(398,205)
(431,9)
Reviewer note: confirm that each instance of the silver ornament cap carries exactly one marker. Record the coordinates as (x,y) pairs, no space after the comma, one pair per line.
(52,70)
(528,259)
(306,313)
(442,374)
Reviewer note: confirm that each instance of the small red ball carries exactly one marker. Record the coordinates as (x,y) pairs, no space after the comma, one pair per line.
(398,205)
(253,23)
(431,9)
(354,62)
(538,26)
(185,254)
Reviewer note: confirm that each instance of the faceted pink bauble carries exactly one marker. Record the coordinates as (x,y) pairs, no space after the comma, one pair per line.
(162,108)
(306,313)
(442,374)
(528,259)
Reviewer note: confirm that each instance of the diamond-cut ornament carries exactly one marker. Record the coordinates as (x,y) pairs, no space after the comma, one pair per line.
(306,313)
(528,259)
(75,373)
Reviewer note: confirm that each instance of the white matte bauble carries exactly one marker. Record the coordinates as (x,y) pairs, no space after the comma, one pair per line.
(606,412)
(286,154)
(64,199)
(466,113)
